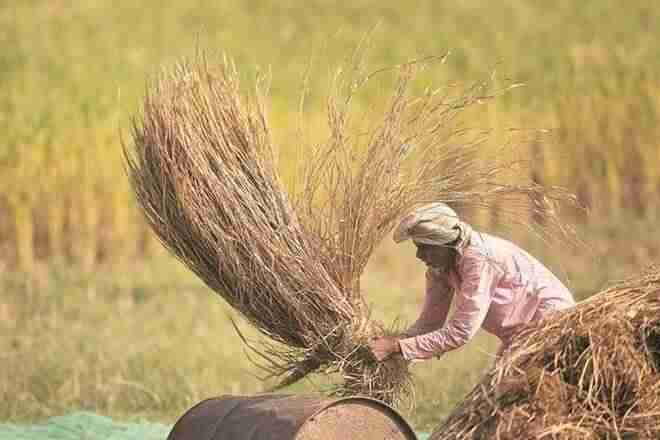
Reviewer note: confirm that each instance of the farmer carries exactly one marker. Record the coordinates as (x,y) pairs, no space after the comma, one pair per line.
(495,285)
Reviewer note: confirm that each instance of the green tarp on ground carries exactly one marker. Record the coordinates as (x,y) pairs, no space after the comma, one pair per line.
(89,426)
(84,426)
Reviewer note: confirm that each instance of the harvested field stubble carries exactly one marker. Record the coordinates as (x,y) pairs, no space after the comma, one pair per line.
(591,372)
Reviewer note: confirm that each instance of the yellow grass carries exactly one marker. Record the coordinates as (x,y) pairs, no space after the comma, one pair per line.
(72,74)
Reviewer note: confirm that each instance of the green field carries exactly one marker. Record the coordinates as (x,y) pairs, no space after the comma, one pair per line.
(93,316)
(147,340)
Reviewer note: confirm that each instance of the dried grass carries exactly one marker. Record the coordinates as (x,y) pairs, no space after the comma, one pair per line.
(590,372)
(203,167)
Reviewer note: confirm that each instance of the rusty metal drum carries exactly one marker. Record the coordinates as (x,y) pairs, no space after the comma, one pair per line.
(291,417)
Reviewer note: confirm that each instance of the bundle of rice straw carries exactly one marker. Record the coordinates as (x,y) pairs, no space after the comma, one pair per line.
(592,372)
(203,167)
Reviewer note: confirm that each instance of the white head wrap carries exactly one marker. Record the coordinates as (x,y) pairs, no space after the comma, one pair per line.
(434,224)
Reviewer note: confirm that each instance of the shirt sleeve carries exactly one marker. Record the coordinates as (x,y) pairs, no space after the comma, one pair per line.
(437,301)
(473,298)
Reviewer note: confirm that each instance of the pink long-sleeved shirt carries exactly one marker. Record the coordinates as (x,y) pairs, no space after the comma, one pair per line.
(497,286)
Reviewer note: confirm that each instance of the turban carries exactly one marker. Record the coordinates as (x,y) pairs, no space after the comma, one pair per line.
(434,224)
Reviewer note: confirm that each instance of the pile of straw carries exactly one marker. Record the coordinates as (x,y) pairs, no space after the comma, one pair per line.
(592,372)
(204,170)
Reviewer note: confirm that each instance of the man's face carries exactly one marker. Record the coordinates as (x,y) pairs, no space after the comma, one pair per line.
(438,257)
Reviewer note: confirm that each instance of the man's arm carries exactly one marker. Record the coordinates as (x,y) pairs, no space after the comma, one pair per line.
(472,303)
(437,301)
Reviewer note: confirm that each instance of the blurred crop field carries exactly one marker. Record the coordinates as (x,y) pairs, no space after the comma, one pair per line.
(94,315)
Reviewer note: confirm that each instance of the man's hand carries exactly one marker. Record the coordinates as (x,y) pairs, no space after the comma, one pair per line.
(382,348)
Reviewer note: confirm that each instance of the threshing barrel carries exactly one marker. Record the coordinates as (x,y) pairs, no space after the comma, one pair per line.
(291,417)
